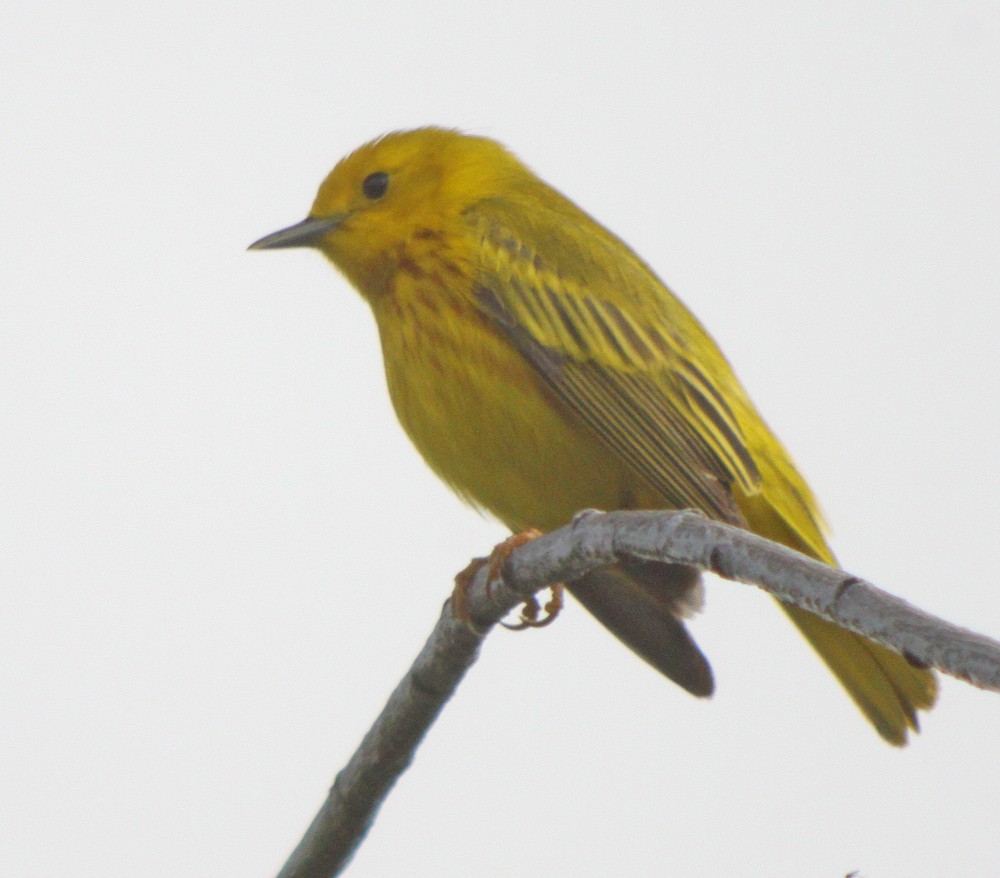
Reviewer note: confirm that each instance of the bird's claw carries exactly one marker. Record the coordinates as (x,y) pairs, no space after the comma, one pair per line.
(498,557)
(531,609)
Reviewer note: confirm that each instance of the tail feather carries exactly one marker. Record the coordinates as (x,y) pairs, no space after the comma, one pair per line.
(642,605)
(884,685)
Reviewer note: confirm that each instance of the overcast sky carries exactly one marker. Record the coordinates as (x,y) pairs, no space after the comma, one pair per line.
(218,551)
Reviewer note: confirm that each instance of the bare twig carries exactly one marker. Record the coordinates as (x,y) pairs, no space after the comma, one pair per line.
(594,540)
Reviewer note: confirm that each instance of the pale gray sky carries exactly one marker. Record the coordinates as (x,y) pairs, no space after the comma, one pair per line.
(218,552)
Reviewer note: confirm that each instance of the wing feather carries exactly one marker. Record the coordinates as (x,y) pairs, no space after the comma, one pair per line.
(628,379)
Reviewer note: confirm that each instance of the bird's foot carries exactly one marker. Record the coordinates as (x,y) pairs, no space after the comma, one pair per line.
(531,610)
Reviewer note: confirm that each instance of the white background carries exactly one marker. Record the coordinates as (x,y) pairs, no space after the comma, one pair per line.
(218,552)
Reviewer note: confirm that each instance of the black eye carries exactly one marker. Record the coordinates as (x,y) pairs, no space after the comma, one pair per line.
(375,185)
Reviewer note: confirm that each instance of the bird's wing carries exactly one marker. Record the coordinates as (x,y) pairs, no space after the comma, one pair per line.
(597,328)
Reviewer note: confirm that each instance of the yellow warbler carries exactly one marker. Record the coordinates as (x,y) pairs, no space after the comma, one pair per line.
(541,367)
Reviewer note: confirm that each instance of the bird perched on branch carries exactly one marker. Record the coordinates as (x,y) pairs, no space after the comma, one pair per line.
(541,367)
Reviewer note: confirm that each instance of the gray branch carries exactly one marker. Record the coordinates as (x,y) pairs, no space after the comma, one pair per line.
(594,540)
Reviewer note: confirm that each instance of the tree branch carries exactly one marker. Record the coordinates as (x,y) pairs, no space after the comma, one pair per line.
(594,540)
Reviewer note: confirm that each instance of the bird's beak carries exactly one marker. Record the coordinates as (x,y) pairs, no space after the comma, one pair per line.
(307,233)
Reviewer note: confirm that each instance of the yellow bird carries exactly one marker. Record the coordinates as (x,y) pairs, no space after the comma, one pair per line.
(541,367)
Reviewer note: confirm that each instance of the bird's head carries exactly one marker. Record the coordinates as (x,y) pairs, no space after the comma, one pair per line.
(397,186)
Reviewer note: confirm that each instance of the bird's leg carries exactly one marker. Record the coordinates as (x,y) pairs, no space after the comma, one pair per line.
(498,557)
(460,593)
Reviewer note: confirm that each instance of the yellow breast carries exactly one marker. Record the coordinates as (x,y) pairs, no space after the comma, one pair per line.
(482,419)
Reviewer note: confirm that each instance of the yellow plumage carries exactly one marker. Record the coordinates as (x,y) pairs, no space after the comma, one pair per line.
(541,368)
